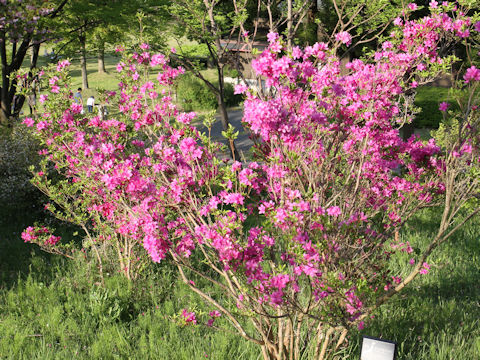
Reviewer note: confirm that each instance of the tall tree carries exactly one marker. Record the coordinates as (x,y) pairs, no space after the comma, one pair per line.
(80,19)
(365,20)
(92,24)
(212,23)
(24,25)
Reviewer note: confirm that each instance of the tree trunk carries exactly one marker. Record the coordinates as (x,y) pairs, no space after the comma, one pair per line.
(101,59)
(34,56)
(289,24)
(223,111)
(225,122)
(83,60)
(310,27)
(11,104)
(4,98)
(219,63)
(33,81)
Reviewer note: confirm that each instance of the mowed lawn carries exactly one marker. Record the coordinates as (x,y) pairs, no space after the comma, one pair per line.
(54,308)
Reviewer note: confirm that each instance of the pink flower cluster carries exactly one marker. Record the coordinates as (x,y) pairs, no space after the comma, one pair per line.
(23,17)
(344,37)
(189,317)
(472,74)
(40,236)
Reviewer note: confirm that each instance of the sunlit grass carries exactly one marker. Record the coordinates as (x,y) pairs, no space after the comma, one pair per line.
(51,308)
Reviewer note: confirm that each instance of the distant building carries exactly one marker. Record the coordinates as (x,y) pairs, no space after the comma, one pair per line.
(240,55)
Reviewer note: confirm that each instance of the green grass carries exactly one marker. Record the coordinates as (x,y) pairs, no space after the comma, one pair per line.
(51,308)
(428,99)
(438,317)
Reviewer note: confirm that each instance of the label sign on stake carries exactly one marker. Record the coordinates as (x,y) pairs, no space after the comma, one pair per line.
(377,349)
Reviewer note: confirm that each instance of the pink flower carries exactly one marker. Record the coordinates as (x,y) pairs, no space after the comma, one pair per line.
(272,37)
(76,108)
(29,234)
(443,106)
(433,4)
(361,325)
(53,80)
(215,313)
(237,165)
(187,145)
(425,268)
(63,64)
(297,52)
(189,317)
(245,34)
(412,6)
(157,59)
(42,125)
(186,118)
(334,211)
(240,89)
(387,45)
(398,21)
(173,50)
(28,121)
(344,37)
(477,26)
(280,281)
(144,46)
(234,198)
(467,148)
(52,240)
(43,98)
(472,73)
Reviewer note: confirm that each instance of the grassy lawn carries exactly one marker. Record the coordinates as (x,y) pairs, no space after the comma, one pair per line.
(428,99)
(53,308)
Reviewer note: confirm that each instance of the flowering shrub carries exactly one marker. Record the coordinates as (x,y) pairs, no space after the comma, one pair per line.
(298,240)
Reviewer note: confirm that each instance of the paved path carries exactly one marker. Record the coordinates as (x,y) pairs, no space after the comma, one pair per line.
(242,142)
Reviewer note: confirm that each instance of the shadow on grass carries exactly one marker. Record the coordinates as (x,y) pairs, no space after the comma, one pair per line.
(19,259)
(15,255)
(441,310)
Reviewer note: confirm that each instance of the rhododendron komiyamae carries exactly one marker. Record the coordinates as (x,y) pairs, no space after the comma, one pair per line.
(300,239)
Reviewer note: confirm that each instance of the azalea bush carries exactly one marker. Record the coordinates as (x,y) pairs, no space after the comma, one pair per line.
(299,241)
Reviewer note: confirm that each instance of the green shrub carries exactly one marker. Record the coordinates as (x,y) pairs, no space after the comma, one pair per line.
(230,72)
(193,94)
(18,151)
(232,99)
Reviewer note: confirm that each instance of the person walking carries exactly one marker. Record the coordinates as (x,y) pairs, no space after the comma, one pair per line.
(77,97)
(90,104)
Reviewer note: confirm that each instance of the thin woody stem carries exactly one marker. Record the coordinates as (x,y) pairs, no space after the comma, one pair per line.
(209,299)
